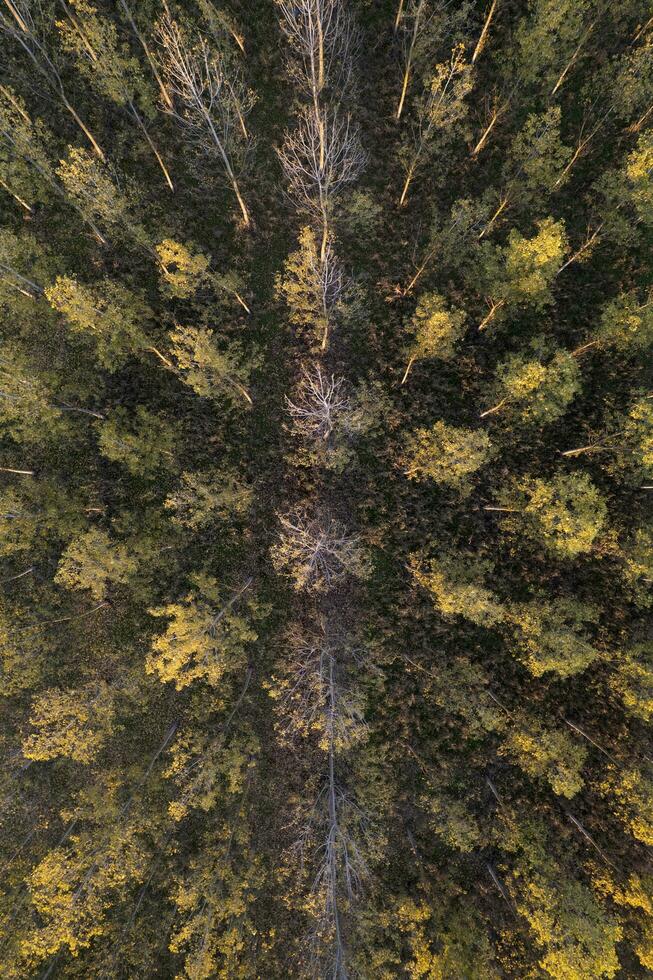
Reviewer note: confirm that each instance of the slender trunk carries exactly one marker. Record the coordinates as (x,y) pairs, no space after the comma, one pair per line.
(16,197)
(504,510)
(496,408)
(400,13)
(82,126)
(325,237)
(409,60)
(150,142)
(499,211)
(407,372)
(635,128)
(161,357)
(481,143)
(82,411)
(486,26)
(242,302)
(320,53)
(404,89)
(420,271)
(572,60)
(491,315)
(148,54)
(15,14)
(409,177)
(581,350)
(229,169)
(8,469)
(582,250)
(15,578)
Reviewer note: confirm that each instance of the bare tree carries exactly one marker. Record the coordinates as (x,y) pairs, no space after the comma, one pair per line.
(209,99)
(322,39)
(320,158)
(316,695)
(20,25)
(318,402)
(317,553)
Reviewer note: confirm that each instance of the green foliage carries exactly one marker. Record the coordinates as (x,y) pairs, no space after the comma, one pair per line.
(96,563)
(108,316)
(209,371)
(533,392)
(447,455)
(565,514)
(207,637)
(546,753)
(141,441)
(435,330)
(205,498)
(456,588)
(549,636)
(69,724)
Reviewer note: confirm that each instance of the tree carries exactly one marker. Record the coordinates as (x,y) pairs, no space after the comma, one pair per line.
(208,99)
(108,66)
(447,455)
(207,370)
(547,753)
(438,110)
(206,637)
(185,271)
(109,315)
(436,330)
(565,514)
(632,680)
(320,158)
(21,25)
(521,274)
(27,411)
(92,188)
(95,562)
(571,928)
(637,565)
(535,390)
(629,792)
(317,553)
(549,636)
(312,287)
(141,441)
(539,157)
(322,39)
(456,588)
(549,41)
(625,322)
(208,497)
(69,724)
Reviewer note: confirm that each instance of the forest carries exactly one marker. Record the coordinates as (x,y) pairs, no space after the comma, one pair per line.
(326,473)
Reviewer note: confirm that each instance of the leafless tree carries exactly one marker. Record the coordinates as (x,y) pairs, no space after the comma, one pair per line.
(317,553)
(20,24)
(316,693)
(318,402)
(320,158)
(209,99)
(322,39)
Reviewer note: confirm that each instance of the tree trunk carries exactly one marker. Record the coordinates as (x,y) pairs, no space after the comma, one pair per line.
(407,372)
(486,26)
